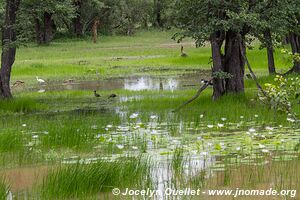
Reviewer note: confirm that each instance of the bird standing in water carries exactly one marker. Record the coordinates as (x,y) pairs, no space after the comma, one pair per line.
(112,96)
(96,94)
(41,81)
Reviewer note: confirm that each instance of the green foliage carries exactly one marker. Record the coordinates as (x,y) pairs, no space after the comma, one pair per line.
(282,93)
(290,56)
(222,75)
(200,19)
(31,16)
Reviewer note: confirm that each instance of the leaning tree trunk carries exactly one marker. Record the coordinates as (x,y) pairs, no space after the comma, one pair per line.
(270,52)
(295,44)
(216,45)
(234,63)
(8,47)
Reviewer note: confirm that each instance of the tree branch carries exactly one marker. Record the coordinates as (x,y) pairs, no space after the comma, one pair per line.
(251,71)
(194,97)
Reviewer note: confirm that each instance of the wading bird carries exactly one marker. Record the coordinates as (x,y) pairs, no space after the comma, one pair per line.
(95,93)
(41,81)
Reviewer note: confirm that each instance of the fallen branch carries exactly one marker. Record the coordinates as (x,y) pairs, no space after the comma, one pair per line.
(196,95)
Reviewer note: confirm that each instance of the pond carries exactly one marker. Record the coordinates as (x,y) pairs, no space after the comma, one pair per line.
(133,83)
(170,150)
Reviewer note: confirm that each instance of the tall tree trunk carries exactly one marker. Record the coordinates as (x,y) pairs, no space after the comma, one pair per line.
(77,24)
(295,44)
(45,29)
(270,51)
(216,45)
(49,27)
(234,63)
(95,29)
(157,14)
(8,48)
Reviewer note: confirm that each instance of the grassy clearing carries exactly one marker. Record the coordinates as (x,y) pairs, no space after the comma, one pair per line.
(115,56)
(81,180)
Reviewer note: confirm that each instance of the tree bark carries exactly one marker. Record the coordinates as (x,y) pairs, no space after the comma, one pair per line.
(9,37)
(77,24)
(295,44)
(270,52)
(95,29)
(157,14)
(216,45)
(234,63)
(49,27)
(45,29)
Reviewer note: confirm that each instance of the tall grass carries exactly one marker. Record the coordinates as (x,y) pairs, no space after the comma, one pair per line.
(3,189)
(11,141)
(83,180)
(19,105)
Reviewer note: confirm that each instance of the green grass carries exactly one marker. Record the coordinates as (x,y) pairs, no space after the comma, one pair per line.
(81,180)
(11,141)
(3,189)
(19,105)
(81,59)
(48,128)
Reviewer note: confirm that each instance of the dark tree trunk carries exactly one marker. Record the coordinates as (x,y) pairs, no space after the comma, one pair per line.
(295,44)
(38,31)
(77,24)
(270,52)
(234,63)
(49,27)
(216,45)
(157,13)
(45,30)
(8,48)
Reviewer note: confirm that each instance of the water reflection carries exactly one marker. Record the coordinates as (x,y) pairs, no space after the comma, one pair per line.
(135,83)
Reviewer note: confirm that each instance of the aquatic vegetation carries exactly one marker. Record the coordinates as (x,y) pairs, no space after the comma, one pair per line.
(11,141)
(95,144)
(4,189)
(79,180)
(21,105)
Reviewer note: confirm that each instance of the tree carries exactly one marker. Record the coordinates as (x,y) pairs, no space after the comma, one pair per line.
(9,38)
(275,21)
(225,24)
(157,12)
(77,26)
(294,34)
(293,28)
(48,16)
(162,13)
